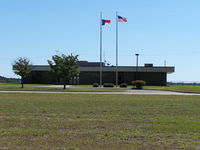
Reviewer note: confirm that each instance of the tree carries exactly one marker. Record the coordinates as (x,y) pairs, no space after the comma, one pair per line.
(54,67)
(22,67)
(64,67)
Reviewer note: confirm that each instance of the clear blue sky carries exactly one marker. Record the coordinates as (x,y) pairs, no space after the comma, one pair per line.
(156,29)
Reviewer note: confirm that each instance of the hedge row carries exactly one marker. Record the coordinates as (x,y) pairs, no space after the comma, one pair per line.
(124,85)
(138,83)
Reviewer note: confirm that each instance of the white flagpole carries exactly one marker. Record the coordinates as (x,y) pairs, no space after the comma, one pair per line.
(116,49)
(100,49)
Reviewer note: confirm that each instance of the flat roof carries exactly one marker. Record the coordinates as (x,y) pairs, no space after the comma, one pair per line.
(167,69)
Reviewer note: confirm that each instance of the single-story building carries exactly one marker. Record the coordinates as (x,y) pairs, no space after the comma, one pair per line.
(90,73)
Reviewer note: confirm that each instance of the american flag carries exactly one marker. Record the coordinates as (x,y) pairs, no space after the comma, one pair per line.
(122,19)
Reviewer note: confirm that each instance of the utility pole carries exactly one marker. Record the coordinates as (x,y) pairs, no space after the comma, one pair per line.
(136,66)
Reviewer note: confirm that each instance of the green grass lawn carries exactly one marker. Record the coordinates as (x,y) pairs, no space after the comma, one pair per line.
(178,88)
(62,90)
(89,88)
(82,85)
(43,87)
(70,121)
(19,85)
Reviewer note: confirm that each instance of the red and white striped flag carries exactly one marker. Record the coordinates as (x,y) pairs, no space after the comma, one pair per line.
(122,19)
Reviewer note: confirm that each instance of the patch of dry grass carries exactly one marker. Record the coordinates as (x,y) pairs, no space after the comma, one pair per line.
(68,121)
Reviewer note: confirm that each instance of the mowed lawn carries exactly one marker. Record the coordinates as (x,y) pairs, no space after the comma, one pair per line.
(89,88)
(177,88)
(46,87)
(81,122)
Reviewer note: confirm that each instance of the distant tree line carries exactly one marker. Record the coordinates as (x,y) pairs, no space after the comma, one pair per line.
(183,83)
(9,80)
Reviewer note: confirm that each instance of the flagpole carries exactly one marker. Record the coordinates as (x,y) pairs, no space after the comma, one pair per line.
(100,50)
(116,49)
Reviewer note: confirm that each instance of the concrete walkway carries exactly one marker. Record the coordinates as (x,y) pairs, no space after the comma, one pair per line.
(51,86)
(129,92)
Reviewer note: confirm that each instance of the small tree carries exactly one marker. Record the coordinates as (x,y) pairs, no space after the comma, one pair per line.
(22,67)
(139,84)
(65,67)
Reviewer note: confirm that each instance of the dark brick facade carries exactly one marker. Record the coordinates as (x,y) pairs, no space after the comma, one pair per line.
(89,74)
(151,78)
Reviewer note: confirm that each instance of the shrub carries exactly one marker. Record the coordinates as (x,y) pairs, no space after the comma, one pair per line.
(139,83)
(108,85)
(95,85)
(124,85)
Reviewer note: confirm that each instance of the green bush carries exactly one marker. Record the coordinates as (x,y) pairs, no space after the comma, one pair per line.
(95,85)
(139,83)
(108,85)
(123,85)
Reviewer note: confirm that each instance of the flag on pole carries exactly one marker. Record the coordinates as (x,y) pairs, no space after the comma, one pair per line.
(105,22)
(118,19)
(122,19)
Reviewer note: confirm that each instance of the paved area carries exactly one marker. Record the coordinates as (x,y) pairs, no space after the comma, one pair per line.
(158,92)
(129,92)
(51,86)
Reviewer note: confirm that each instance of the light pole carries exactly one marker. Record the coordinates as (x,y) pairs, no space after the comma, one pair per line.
(136,75)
